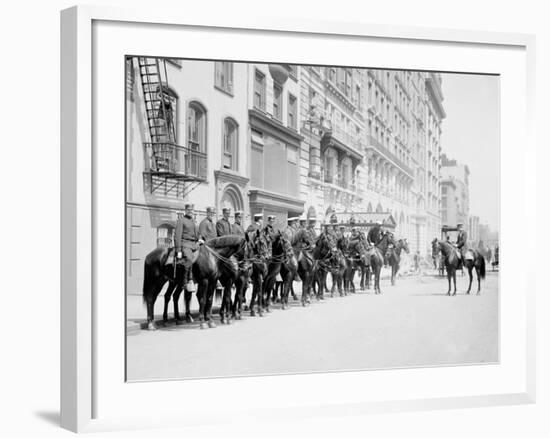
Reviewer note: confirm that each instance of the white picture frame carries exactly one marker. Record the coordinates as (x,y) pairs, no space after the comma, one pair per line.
(83,370)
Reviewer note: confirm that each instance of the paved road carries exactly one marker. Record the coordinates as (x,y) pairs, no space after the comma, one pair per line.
(411,324)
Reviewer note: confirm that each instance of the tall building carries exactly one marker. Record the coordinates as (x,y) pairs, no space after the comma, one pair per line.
(455,191)
(473,229)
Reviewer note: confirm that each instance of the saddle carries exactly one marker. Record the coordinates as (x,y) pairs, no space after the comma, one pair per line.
(469,255)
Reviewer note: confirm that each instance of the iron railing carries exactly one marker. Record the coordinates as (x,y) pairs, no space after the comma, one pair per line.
(172,159)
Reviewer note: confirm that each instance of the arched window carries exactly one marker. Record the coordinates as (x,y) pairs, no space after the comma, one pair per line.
(369,208)
(379,208)
(165,234)
(196,127)
(230,143)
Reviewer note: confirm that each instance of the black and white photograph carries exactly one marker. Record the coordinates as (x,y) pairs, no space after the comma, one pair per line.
(287,218)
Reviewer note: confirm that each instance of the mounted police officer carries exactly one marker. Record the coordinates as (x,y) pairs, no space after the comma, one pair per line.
(223,226)
(236,227)
(186,240)
(461,241)
(256,224)
(268,229)
(207,230)
(290,229)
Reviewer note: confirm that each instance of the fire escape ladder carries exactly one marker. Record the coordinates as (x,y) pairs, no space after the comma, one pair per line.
(157,106)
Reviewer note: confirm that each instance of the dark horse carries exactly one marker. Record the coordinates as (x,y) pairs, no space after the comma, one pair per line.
(323,252)
(451,262)
(281,255)
(394,258)
(250,269)
(216,262)
(157,270)
(377,258)
(475,260)
(301,264)
(357,260)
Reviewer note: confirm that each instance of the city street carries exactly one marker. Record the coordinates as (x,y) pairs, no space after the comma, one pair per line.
(411,324)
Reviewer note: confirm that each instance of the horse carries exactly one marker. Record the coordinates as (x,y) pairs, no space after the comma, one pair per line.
(355,259)
(247,271)
(281,251)
(395,257)
(451,262)
(477,261)
(215,262)
(259,273)
(300,263)
(377,258)
(158,269)
(325,249)
(338,267)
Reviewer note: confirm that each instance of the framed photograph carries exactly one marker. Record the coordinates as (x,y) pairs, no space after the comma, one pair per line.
(253,208)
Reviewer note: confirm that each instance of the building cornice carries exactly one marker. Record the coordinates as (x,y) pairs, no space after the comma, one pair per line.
(260,121)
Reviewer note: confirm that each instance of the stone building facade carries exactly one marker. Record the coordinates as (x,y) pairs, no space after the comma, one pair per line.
(279,139)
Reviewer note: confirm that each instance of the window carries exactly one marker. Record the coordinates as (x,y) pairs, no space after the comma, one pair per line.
(224,76)
(358,97)
(196,127)
(277,101)
(292,122)
(165,234)
(230,144)
(293,70)
(259,91)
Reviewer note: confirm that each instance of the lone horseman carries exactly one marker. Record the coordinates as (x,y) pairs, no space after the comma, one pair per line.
(236,227)
(461,243)
(223,226)
(207,230)
(257,224)
(187,238)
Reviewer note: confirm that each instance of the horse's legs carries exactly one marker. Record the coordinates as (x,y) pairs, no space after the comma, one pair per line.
(167,296)
(210,299)
(470,275)
(255,282)
(202,295)
(175,298)
(449,280)
(478,280)
(454,281)
(226,302)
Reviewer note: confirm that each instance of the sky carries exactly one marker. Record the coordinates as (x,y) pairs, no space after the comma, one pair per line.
(470,134)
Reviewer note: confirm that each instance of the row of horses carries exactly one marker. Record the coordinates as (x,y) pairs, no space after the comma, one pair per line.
(259,259)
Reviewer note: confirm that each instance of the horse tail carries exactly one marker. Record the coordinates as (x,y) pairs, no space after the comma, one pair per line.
(482,268)
(152,270)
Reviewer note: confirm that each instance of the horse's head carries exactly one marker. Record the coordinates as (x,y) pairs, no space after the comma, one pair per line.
(259,244)
(404,244)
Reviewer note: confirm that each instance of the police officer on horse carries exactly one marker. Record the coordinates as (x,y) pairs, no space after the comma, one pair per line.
(461,242)
(256,224)
(236,227)
(186,240)
(207,230)
(223,226)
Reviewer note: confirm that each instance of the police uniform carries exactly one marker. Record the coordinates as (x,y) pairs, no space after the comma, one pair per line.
(187,233)
(256,225)
(237,228)
(268,229)
(223,227)
(462,242)
(206,229)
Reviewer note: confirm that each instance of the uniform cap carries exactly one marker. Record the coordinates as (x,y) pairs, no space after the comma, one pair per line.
(188,206)
(210,210)
(303,218)
(292,219)
(258,216)
(270,217)
(238,213)
(226,210)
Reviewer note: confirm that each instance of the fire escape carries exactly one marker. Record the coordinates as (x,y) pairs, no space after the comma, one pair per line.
(172,168)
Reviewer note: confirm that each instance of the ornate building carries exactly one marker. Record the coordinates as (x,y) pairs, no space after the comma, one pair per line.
(455,206)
